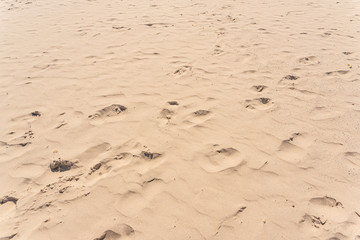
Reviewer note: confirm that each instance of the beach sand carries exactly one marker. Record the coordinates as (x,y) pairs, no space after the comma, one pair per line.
(179,120)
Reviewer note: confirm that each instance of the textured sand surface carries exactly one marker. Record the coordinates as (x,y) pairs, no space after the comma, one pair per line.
(179,119)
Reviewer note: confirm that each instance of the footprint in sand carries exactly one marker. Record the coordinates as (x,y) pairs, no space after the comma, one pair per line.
(201,112)
(339,72)
(149,155)
(173,103)
(197,118)
(258,103)
(311,60)
(36,114)
(326,201)
(6,199)
(61,165)
(110,111)
(8,237)
(290,77)
(259,88)
(221,159)
(292,150)
(166,113)
(95,168)
(122,231)
(182,70)
(217,50)
(315,221)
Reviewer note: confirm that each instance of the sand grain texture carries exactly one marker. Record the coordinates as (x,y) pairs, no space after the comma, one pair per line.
(179,119)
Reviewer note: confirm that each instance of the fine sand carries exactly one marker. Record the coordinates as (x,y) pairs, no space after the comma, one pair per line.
(176,120)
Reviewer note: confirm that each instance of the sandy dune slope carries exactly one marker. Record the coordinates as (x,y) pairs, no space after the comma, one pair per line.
(186,119)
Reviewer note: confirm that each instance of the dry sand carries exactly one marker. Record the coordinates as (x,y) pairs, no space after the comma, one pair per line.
(179,119)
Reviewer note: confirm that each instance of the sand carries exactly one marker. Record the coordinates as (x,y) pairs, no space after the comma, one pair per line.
(179,119)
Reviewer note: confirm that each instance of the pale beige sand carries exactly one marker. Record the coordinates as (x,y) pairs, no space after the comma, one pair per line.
(273,153)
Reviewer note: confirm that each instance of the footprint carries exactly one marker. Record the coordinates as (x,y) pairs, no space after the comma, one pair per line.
(182,70)
(8,237)
(95,168)
(259,88)
(123,230)
(258,103)
(110,111)
(166,113)
(313,220)
(222,159)
(121,28)
(173,103)
(230,18)
(312,60)
(217,50)
(6,199)
(264,100)
(341,72)
(326,201)
(291,77)
(36,114)
(61,165)
(150,155)
(201,112)
(109,235)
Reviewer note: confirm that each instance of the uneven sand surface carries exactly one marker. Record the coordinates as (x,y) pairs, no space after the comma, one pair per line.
(179,119)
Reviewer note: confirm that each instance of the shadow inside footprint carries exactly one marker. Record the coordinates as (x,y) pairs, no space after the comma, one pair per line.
(6,199)
(166,113)
(264,100)
(290,77)
(201,112)
(150,155)
(110,111)
(36,114)
(61,165)
(259,88)
(309,60)
(109,235)
(173,103)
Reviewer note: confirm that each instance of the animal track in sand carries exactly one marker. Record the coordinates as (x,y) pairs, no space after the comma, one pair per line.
(326,201)
(61,165)
(259,88)
(347,53)
(311,60)
(110,111)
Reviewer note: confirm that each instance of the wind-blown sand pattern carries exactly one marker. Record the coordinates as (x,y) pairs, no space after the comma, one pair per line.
(179,119)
